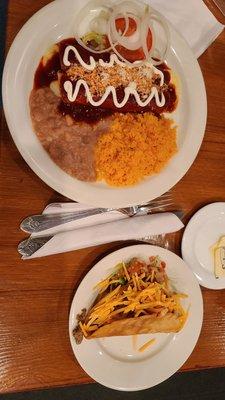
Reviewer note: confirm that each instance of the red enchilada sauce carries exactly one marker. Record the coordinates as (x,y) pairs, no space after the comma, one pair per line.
(81,110)
(45,74)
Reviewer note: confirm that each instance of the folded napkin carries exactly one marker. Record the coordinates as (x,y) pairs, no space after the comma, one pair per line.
(126,229)
(57,208)
(193,20)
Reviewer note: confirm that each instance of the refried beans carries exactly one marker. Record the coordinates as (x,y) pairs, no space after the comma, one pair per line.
(70,144)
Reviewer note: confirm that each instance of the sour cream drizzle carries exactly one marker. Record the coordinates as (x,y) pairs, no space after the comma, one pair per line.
(130,89)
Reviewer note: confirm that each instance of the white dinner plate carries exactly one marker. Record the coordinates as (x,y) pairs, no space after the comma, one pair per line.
(113,361)
(53,23)
(203,230)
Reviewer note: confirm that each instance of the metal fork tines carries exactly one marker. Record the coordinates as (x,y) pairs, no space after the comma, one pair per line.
(38,223)
(160,201)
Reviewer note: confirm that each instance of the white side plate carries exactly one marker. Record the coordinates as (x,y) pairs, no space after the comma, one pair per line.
(202,231)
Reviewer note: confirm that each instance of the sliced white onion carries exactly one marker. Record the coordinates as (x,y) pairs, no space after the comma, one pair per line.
(99,25)
(126,41)
(126,25)
(105,23)
(155,16)
(126,9)
(129,7)
(140,14)
(144,36)
(113,47)
(93,5)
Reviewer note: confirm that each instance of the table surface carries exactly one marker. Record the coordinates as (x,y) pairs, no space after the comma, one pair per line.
(35,295)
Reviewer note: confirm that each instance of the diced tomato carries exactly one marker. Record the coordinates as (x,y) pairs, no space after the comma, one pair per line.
(121,25)
(163,264)
(133,55)
(136,266)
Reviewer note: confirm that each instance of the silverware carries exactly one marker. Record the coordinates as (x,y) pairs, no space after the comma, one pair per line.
(29,246)
(157,201)
(38,223)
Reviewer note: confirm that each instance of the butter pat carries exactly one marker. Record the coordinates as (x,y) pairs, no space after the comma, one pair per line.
(218,253)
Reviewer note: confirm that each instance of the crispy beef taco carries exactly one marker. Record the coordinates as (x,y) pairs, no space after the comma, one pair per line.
(136,299)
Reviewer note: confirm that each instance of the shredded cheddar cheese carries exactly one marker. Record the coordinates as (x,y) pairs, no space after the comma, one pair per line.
(83,328)
(146,345)
(135,298)
(125,271)
(135,289)
(135,284)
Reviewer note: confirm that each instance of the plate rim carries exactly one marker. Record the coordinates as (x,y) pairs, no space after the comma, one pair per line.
(114,200)
(198,330)
(198,214)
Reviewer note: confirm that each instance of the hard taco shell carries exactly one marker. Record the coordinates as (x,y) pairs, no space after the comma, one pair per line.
(137,325)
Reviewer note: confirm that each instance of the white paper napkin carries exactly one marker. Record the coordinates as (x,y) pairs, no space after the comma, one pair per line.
(127,229)
(57,208)
(193,20)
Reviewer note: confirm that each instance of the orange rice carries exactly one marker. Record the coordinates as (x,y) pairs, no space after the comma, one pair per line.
(136,146)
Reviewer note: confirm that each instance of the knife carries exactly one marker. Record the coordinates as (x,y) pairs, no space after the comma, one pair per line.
(38,223)
(31,245)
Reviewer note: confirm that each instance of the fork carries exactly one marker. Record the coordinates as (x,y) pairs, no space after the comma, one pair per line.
(38,223)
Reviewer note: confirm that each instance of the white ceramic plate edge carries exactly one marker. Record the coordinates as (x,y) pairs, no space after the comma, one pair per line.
(187,351)
(119,197)
(207,281)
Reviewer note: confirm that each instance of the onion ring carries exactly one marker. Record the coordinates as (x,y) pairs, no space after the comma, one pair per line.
(143,16)
(90,6)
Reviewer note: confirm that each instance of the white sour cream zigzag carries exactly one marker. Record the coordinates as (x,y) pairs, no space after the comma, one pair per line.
(72,95)
(129,90)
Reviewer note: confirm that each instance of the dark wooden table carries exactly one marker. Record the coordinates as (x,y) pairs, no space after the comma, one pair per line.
(35,295)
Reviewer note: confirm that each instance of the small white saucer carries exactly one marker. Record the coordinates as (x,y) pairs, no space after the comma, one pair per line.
(202,231)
